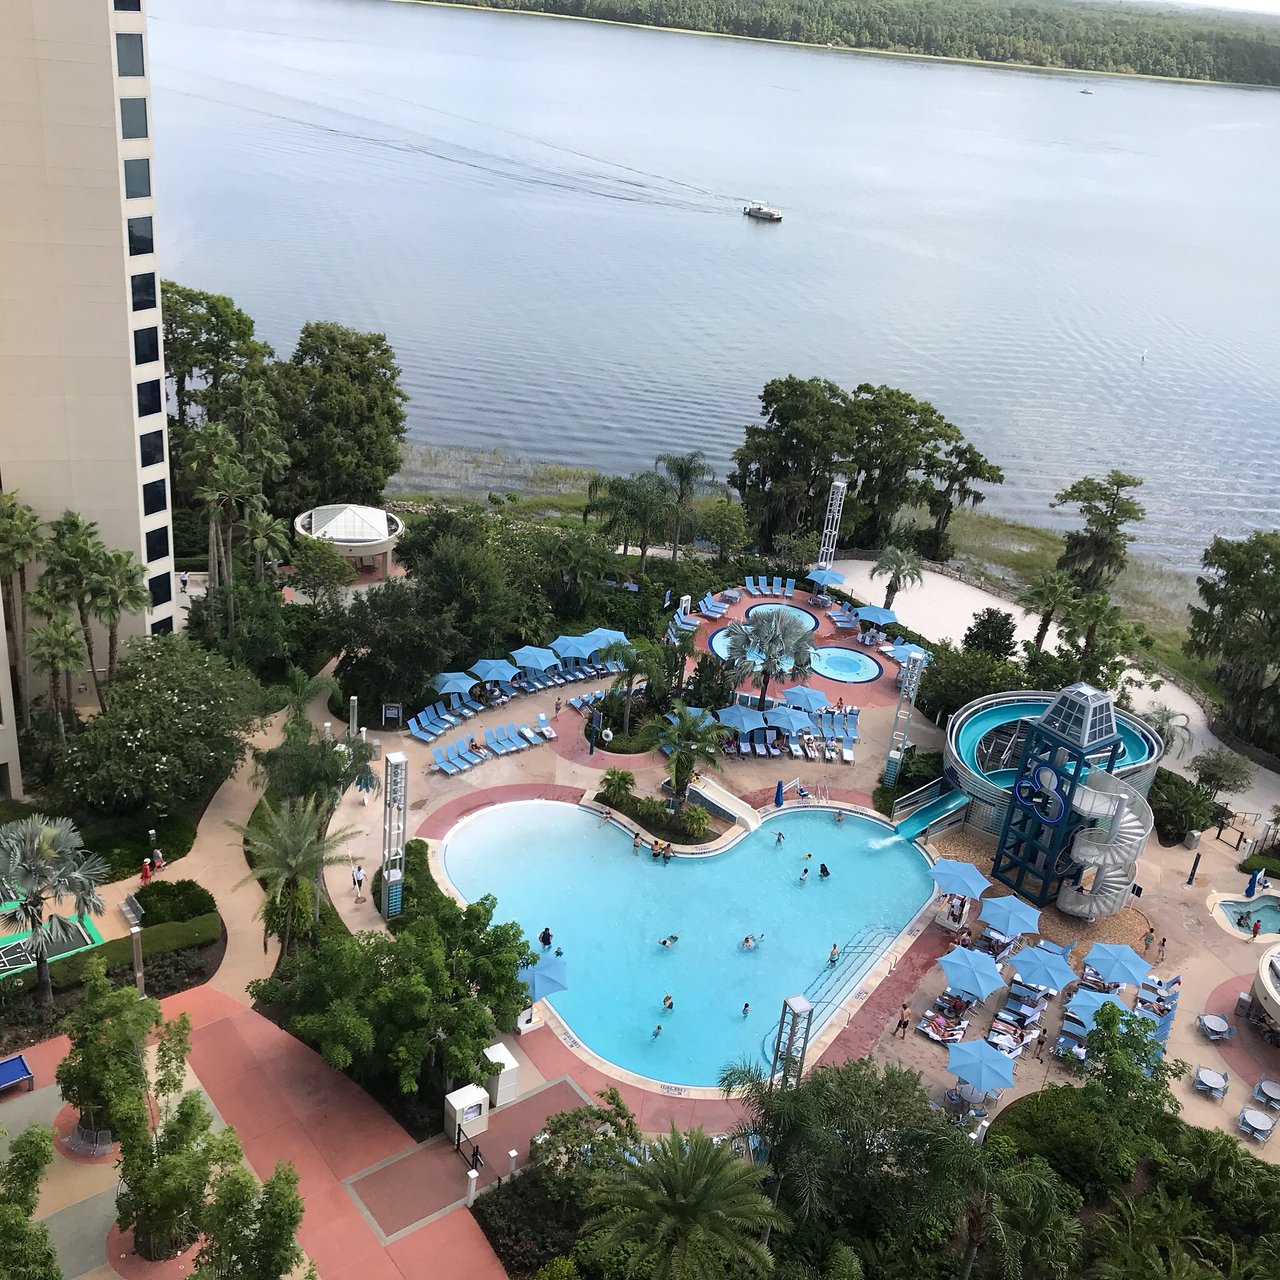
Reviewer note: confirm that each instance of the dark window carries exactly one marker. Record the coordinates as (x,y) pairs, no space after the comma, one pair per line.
(146,345)
(151,450)
(133,117)
(137,179)
(162,628)
(161,589)
(149,398)
(129,54)
(141,237)
(158,543)
(128,6)
(153,497)
(144,291)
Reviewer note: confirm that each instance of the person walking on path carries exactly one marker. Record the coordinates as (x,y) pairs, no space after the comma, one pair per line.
(183,580)
(904,1020)
(158,863)
(146,872)
(1257,929)
(1147,939)
(1160,951)
(357,880)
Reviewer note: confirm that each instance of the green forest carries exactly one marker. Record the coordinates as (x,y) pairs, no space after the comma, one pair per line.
(1199,45)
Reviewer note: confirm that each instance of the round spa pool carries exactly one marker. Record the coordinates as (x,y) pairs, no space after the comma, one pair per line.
(792,610)
(832,661)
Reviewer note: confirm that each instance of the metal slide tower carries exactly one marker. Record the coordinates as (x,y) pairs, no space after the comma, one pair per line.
(831,524)
(395,791)
(899,740)
(792,1042)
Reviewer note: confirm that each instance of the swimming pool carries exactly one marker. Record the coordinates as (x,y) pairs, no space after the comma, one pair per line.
(1265,907)
(835,662)
(794,610)
(553,864)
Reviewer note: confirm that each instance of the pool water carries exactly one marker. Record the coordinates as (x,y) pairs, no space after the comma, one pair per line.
(835,662)
(555,865)
(1265,907)
(803,615)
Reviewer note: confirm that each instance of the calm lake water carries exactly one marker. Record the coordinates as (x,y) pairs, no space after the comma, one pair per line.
(545,219)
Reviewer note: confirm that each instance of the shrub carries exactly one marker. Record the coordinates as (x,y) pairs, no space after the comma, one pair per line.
(992,631)
(166,901)
(917,769)
(617,785)
(559,1269)
(527,1228)
(1179,806)
(420,887)
(157,939)
(696,821)
(124,842)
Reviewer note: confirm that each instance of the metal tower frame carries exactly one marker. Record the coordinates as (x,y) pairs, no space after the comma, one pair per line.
(831,524)
(899,740)
(395,791)
(792,1041)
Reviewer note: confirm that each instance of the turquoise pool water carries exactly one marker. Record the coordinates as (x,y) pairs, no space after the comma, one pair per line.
(555,865)
(1264,907)
(803,615)
(835,662)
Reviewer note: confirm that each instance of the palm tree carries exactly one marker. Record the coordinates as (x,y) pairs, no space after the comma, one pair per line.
(43,862)
(901,567)
(634,507)
(688,475)
(22,542)
(1175,728)
(289,855)
(982,1184)
(690,740)
(267,537)
(578,562)
(770,644)
(299,691)
(1049,595)
(57,650)
(692,1205)
(642,659)
(1090,620)
(121,590)
(76,558)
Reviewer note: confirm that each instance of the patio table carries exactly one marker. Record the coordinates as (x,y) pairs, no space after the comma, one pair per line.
(1211,1079)
(1270,1089)
(1258,1120)
(1211,1022)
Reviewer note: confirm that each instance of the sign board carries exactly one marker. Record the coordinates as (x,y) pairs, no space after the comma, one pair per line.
(391,711)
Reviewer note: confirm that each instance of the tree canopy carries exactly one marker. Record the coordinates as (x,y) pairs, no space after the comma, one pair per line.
(1094,555)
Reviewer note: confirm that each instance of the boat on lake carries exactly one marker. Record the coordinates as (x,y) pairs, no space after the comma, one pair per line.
(762,212)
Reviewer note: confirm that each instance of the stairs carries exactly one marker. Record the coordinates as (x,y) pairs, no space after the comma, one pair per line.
(1111,848)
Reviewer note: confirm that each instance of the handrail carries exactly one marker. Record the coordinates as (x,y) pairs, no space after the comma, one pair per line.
(914,799)
(743,813)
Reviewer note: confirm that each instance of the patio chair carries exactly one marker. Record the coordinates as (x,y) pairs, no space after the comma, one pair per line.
(453,753)
(1261,1095)
(458,707)
(774,749)
(947,1036)
(544,726)
(512,738)
(793,741)
(1216,1092)
(441,712)
(790,588)
(760,750)
(460,751)
(529,736)
(752,589)
(829,751)
(811,750)
(777,586)
(496,745)
(423,735)
(846,751)
(443,765)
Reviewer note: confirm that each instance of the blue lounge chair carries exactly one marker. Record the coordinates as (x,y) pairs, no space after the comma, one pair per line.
(496,745)
(459,708)
(463,752)
(422,735)
(790,589)
(441,712)
(469,701)
(793,741)
(544,726)
(750,584)
(453,754)
(437,754)
(529,736)
(777,586)
(15,1071)
(508,739)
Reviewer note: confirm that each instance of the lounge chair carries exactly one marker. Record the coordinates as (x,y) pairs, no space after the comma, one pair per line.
(811,750)
(496,745)
(460,753)
(509,735)
(793,741)
(443,765)
(544,726)
(441,712)
(777,586)
(829,751)
(529,736)
(948,1035)
(422,734)
(761,751)
(750,584)
(790,589)
(576,703)
(458,707)
(744,747)
(774,749)
(846,751)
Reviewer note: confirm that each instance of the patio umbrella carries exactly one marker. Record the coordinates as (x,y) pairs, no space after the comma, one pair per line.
(574,646)
(959,877)
(743,719)
(1010,916)
(453,682)
(704,716)
(901,652)
(788,719)
(875,615)
(980,1065)
(494,669)
(824,577)
(601,636)
(1042,968)
(777,796)
(546,978)
(805,698)
(973,972)
(1115,962)
(1085,1004)
(536,659)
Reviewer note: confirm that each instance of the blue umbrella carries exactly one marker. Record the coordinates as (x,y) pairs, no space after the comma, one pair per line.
(534,658)
(546,978)
(806,699)
(703,716)
(601,636)
(743,719)
(1041,968)
(1085,1004)
(875,615)
(453,682)
(787,719)
(901,652)
(574,646)
(980,1065)
(959,877)
(1010,916)
(494,669)
(1115,962)
(825,577)
(777,795)
(973,972)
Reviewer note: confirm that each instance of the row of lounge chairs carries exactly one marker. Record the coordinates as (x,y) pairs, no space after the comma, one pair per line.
(813,749)
(778,588)
(458,757)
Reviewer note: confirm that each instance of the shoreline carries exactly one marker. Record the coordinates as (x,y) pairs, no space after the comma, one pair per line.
(944,59)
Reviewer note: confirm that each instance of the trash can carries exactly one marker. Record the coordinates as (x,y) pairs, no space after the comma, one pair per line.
(1192,840)
(376,744)
(1244,1002)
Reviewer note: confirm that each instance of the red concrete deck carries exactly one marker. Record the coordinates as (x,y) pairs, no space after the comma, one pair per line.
(1246,1053)
(449,815)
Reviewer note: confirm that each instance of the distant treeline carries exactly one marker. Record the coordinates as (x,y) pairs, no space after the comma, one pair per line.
(1194,45)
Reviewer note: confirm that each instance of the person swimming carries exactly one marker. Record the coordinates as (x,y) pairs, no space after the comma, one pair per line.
(804,875)
(746,1009)
(656,1032)
(835,954)
(669,941)
(667,1002)
(748,942)
(823,872)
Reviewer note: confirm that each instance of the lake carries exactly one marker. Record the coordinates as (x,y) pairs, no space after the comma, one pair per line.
(545,219)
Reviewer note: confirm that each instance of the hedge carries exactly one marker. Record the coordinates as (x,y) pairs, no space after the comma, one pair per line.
(174,901)
(1268,862)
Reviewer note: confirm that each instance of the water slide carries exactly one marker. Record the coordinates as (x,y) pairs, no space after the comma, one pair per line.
(918,821)
(720,799)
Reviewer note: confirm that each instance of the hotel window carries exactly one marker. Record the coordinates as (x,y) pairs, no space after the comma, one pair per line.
(144,291)
(146,345)
(137,179)
(128,6)
(161,587)
(158,543)
(149,398)
(133,117)
(141,236)
(162,628)
(153,497)
(129,54)
(151,449)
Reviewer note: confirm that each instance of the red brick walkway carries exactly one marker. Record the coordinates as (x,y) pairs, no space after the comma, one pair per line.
(449,815)
(1246,1053)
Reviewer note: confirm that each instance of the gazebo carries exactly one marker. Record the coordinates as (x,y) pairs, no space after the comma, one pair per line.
(360,534)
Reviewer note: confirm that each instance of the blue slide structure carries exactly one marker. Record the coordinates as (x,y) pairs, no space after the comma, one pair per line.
(918,821)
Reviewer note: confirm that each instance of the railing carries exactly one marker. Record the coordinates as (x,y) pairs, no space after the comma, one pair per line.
(914,799)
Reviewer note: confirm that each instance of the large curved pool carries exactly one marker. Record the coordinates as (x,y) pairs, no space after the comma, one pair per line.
(555,865)
(835,662)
